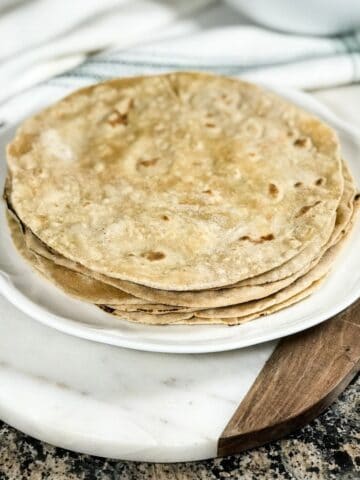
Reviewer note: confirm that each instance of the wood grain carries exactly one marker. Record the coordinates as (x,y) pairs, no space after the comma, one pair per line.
(303,376)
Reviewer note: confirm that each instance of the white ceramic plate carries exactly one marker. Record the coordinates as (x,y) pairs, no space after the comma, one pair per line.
(47,304)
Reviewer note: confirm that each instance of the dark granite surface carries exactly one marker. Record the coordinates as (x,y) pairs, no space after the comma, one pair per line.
(328,448)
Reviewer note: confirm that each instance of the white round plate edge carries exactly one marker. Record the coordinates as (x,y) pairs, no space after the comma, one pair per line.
(281,324)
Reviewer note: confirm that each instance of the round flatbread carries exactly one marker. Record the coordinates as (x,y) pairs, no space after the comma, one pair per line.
(177,182)
(73,283)
(236,314)
(59,270)
(179,319)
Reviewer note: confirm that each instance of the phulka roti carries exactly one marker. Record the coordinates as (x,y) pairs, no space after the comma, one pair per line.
(250,310)
(238,314)
(179,182)
(295,265)
(343,215)
(151,313)
(133,305)
(228,296)
(301,284)
(191,320)
(72,283)
(298,262)
(275,308)
(154,319)
(75,284)
(159,309)
(196,299)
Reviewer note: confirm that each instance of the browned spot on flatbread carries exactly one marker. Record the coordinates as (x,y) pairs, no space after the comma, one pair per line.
(273,190)
(302,142)
(153,256)
(267,238)
(148,163)
(320,181)
(306,208)
(107,309)
(117,118)
(23,146)
(262,239)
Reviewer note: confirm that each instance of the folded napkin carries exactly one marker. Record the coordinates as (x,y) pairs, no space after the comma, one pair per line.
(43,39)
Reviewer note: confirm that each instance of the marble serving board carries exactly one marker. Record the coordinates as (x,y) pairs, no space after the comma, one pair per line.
(115,402)
(119,403)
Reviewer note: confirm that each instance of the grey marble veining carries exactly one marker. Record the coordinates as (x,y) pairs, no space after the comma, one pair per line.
(327,449)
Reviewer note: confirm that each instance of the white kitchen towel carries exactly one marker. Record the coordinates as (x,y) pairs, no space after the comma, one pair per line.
(42,39)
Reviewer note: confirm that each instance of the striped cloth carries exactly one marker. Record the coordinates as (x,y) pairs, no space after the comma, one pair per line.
(152,36)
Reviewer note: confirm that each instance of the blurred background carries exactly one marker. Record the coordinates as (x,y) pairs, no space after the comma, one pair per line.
(308,44)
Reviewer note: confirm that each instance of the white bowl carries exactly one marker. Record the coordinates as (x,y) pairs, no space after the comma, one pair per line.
(311,17)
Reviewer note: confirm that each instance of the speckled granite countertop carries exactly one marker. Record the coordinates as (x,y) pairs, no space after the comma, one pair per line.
(328,448)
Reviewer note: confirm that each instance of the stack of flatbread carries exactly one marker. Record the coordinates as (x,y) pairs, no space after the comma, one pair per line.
(181,198)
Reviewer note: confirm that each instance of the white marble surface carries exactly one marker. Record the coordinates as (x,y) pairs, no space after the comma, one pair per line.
(115,402)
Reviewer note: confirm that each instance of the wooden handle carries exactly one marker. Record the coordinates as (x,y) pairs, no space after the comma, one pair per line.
(303,376)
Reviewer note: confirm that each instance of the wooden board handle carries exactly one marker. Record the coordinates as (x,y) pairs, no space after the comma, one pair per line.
(303,376)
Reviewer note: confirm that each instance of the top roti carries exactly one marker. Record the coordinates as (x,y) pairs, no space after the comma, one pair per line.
(183,181)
